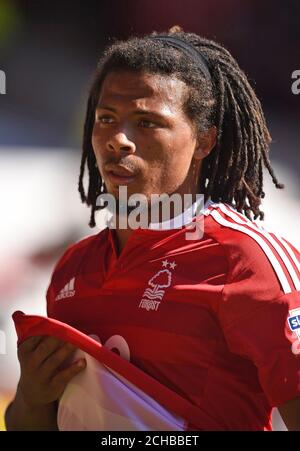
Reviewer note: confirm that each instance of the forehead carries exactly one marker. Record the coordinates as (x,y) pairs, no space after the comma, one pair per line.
(142,89)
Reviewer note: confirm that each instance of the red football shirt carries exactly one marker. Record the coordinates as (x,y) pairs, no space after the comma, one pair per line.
(213,319)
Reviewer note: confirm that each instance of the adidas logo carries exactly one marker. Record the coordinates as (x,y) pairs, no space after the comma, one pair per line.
(67,291)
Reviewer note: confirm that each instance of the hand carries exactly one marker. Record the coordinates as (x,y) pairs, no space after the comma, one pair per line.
(42,379)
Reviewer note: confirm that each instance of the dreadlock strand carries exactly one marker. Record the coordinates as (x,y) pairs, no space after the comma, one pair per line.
(216,152)
(238,147)
(87,148)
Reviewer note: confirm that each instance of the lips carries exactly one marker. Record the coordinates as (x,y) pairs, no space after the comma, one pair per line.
(121,171)
(120,175)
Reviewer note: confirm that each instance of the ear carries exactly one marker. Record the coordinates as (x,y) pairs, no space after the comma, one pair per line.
(206,141)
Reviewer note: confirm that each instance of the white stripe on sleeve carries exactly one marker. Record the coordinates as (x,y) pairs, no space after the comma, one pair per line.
(264,246)
(285,260)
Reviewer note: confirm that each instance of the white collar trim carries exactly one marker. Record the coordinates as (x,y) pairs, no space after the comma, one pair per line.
(184,218)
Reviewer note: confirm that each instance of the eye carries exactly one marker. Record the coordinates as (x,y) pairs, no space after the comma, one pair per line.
(104,119)
(147,124)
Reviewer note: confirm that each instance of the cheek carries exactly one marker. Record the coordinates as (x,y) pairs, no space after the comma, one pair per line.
(182,153)
(168,153)
(95,139)
(96,136)
(98,143)
(178,158)
(163,170)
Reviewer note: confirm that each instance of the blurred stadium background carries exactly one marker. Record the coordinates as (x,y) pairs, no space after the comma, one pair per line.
(48,51)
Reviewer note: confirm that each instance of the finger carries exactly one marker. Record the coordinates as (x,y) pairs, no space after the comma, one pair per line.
(56,359)
(45,348)
(27,347)
(30,344)
(61,379)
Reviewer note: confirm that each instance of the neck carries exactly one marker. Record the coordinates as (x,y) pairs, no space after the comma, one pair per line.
(122,236)
(190,186)
(163,219)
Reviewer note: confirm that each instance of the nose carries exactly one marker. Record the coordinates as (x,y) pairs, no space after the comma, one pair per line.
(119,142)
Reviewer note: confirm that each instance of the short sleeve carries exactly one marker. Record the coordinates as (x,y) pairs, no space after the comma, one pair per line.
(260,318)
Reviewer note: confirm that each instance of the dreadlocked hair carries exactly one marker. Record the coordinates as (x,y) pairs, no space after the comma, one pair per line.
(233,171)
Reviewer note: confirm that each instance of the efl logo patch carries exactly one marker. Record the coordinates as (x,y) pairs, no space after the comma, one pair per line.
(294,321)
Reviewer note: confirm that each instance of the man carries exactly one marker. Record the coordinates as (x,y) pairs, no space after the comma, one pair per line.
(175,114)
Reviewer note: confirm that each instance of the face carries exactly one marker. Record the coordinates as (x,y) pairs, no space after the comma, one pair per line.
(143,139)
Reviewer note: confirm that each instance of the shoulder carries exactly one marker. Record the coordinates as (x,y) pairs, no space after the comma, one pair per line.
(78,260)
(77,251)
(264,257)
(79,257)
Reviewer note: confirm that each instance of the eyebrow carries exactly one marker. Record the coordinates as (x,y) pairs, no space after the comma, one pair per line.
(137,111)
(105,107)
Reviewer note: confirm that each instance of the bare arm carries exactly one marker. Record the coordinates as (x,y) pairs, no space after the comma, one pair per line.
(41,384)
(21,417)
(290,413)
